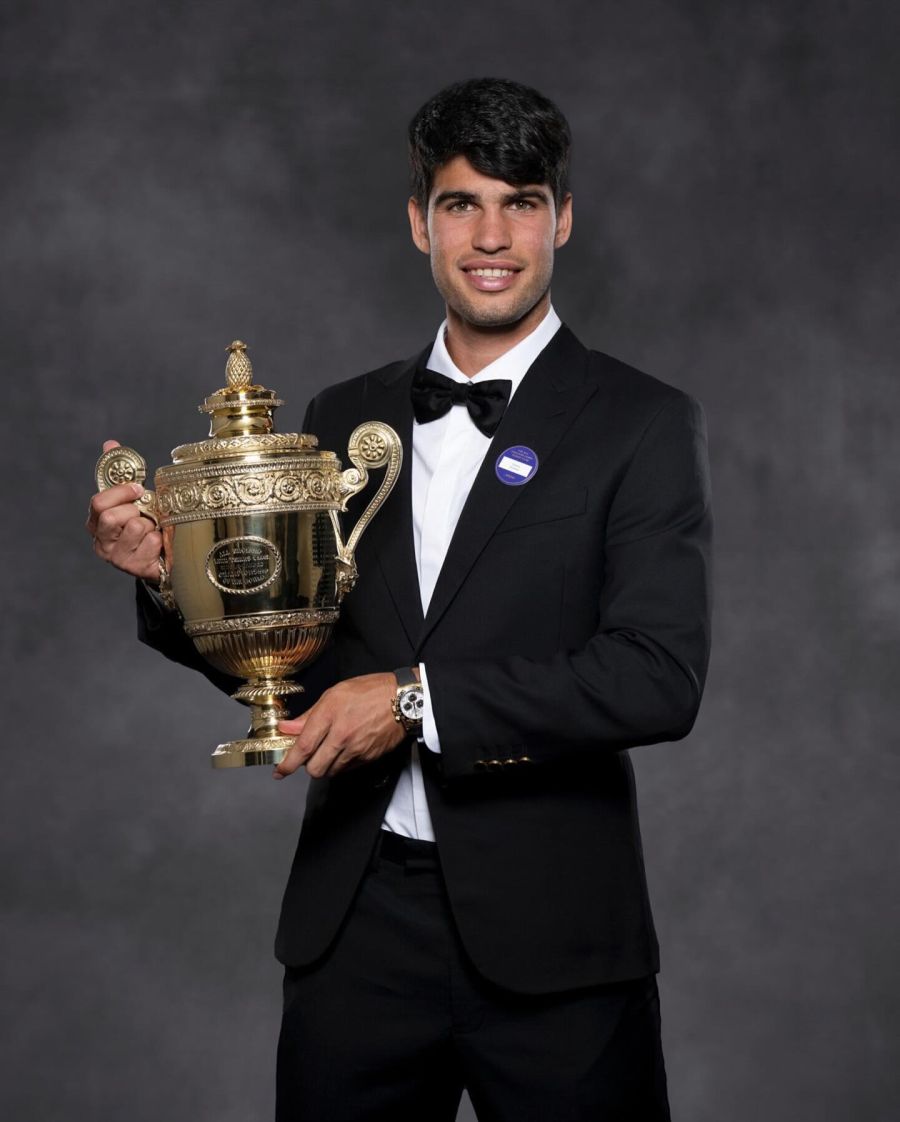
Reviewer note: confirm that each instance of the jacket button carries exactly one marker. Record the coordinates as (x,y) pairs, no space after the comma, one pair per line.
(479,765)
(510,760)
(524,760)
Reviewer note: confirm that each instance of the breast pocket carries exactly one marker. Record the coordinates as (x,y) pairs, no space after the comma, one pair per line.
(552,507)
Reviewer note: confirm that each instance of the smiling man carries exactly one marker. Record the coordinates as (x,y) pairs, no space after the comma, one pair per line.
(491,246)
(467,906)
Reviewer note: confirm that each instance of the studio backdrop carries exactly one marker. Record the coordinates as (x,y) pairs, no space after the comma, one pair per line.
(178,176)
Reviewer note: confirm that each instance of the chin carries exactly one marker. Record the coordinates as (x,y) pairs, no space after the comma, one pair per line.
(489,318)
(492,315)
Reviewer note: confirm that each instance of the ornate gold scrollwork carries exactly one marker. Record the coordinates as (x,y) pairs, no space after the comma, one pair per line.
(372,445)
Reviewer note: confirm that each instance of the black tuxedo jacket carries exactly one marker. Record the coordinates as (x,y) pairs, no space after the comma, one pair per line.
(570,622)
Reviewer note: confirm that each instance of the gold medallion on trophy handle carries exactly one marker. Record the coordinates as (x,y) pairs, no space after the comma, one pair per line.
(123,465)
(254,559)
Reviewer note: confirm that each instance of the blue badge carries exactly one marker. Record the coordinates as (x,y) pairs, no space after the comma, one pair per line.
(516,465)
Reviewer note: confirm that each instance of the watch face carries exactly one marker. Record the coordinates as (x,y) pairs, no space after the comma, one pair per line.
(412,703)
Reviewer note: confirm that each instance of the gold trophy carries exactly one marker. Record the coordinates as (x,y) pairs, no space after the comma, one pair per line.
(253,557)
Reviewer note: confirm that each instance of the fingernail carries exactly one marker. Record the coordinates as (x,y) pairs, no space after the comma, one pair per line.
(277,775)
(137,488)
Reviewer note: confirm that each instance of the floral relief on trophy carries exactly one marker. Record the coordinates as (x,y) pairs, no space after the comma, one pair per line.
(244,488)
(252,489)
(121,465)
(372,447)
(219,494)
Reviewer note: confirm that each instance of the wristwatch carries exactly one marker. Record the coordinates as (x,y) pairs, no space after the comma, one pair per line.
(408,703)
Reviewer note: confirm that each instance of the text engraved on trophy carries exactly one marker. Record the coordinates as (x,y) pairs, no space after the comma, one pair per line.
(243,565)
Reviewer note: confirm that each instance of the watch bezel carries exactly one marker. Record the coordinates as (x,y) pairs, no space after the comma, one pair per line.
(409,692)
(411,696)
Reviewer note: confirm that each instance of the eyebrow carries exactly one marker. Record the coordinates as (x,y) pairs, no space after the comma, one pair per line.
(471,197)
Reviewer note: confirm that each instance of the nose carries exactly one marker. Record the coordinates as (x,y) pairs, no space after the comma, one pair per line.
(492,233)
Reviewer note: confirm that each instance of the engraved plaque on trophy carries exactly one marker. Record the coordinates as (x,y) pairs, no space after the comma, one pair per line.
(253,557)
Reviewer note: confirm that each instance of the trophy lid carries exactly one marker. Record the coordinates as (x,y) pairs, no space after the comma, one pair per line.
(241,418)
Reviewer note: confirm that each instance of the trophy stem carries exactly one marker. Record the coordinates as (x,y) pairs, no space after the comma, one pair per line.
(264,744)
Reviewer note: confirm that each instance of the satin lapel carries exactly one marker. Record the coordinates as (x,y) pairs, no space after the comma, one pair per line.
(388,399)
(544,406)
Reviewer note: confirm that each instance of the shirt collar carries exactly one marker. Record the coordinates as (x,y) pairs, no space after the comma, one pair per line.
(513,364)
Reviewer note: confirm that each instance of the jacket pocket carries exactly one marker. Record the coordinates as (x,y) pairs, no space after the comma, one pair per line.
(551,507)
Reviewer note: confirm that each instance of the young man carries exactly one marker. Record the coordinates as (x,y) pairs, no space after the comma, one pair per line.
(467,906)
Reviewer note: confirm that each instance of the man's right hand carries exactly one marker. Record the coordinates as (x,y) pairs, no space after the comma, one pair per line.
(122,535)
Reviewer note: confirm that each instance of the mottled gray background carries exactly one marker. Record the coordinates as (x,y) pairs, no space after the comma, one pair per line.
(178,175)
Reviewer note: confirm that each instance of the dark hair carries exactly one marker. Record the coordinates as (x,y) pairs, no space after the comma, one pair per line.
(505,130)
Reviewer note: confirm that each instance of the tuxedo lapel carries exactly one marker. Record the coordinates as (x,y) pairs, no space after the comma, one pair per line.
(388,399)
(546,403)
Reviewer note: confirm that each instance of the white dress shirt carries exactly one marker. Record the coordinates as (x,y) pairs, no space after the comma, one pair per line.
(446,456)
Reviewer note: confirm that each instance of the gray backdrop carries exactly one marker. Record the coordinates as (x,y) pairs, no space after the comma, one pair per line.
(176,176)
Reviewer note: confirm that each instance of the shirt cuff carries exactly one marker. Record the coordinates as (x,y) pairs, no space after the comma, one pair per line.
(429,728)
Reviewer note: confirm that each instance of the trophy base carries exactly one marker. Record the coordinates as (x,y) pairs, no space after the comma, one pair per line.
(249,753)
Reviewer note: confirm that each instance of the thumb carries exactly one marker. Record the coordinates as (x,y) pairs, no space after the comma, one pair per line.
(293,758)
(107,444)
(293,727)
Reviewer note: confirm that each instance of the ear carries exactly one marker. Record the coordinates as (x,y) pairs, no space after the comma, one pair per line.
(563,222)
(418,225)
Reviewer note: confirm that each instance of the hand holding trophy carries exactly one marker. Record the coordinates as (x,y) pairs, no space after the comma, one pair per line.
(253,557)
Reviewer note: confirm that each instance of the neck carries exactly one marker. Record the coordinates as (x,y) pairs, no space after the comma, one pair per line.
(473,347)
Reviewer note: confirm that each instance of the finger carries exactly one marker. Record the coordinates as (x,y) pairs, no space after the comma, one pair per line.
(107,444)
(134,531)
(289,763)
(116,544)
(294,756)
(114,496)
(139,559)
(324,760)
(149,549)
(111,522)
(144,561)
(342,760)
(313,733)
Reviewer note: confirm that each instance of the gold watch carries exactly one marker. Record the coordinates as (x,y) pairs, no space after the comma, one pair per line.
(408,703)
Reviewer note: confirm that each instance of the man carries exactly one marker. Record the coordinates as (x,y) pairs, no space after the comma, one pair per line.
(467,905)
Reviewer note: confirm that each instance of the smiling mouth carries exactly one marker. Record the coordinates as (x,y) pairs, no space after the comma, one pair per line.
(491,272)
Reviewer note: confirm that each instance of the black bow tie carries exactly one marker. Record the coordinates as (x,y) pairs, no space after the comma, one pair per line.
(433,394)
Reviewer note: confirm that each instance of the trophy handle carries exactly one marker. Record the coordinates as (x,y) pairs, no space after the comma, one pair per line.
(124,465)
(372,445)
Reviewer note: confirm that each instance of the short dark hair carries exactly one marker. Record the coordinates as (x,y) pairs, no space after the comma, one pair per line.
(505,130)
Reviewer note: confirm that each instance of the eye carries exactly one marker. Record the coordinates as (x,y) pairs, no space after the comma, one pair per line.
(522,204)
(459,207)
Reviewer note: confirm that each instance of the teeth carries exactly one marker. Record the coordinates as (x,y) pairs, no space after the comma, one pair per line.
(491,272)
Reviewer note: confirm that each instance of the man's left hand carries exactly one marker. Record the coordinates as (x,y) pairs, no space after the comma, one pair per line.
(351,724)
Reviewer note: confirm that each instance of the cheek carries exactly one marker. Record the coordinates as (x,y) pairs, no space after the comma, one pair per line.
(443,252)
(545,248)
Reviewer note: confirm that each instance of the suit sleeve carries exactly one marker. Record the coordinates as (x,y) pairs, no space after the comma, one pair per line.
(639,678)
(161,628)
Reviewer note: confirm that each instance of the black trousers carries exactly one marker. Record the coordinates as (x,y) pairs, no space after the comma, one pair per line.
(394,1022)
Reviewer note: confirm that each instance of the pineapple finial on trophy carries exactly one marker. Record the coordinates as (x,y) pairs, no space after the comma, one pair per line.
(238,369)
